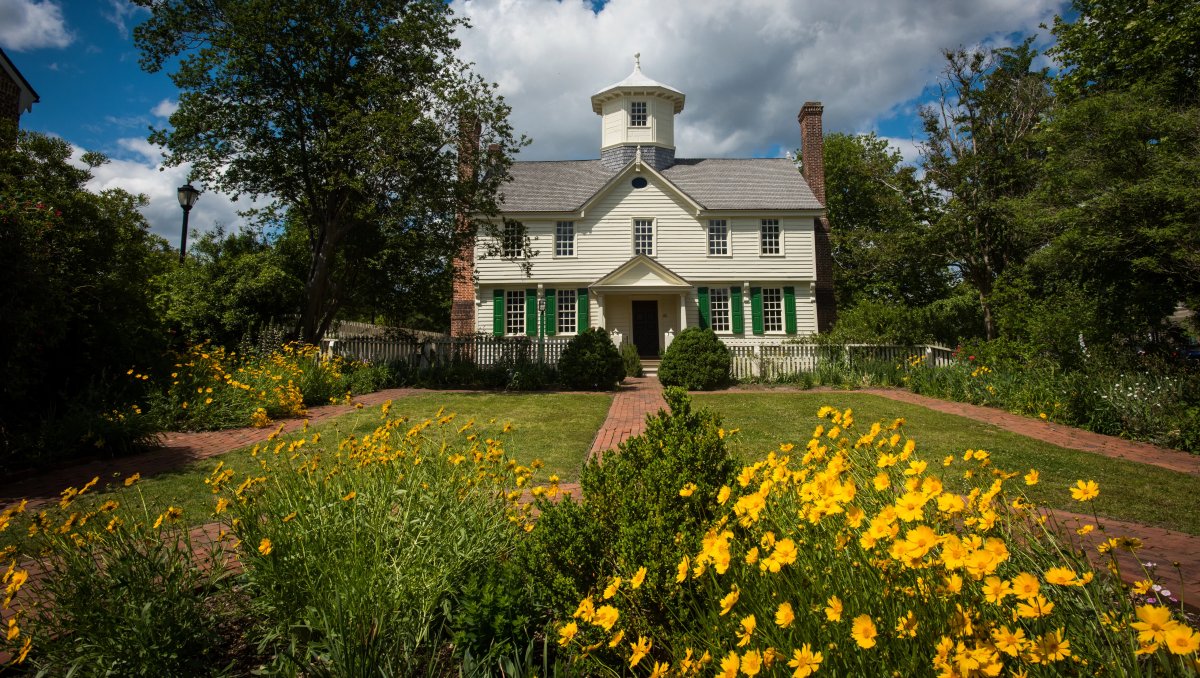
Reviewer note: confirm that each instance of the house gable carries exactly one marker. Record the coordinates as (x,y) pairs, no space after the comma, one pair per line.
(643,274)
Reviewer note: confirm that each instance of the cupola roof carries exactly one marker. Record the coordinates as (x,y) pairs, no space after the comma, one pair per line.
(637,83)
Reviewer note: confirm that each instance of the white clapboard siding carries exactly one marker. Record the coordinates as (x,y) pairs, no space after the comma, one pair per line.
(603,241)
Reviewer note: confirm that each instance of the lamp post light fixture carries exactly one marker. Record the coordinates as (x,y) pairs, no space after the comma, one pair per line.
(188,195)
(541,329)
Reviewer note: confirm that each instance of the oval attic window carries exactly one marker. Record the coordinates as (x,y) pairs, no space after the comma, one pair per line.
(639,182)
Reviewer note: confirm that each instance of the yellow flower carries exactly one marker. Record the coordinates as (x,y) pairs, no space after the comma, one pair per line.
(640,648)
(1025,586)
(616,639)
(605,617)
(1031,478)
(1035,607)
(1085,490)
(132,479)
(1153,622)
(729,666)
(660,670)
(612,588)
(1182,640)
(586,610)
(638,578)
(729,600)
(752,556)
(265,547)
(723,494)
(681,570)
(995,589)
(1051,647)
(566,633)
(352,494)
(687,490)
(748,624)
(864,632)
(805,661)
(784,616)
(751,663)
(1009,642)
(1141,587)
(833,609)
(1061,576)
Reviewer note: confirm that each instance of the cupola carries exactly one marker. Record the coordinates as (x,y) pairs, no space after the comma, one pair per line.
(637,113)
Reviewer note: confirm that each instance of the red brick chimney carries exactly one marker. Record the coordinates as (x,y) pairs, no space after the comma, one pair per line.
(812,162)
(462,308)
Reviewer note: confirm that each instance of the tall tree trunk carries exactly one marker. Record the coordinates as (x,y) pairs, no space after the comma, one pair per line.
(989,324)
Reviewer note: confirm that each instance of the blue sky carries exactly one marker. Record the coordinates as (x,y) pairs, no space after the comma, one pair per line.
(745,67)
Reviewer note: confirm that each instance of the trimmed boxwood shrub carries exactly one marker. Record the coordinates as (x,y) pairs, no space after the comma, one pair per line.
(696,360)
(631,359)
(591,361)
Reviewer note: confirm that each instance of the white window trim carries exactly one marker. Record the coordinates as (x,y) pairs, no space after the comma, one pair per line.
(782,310)
(629,122)
(782,240)
(520,242)
(559,294)
(524,319)
(728,309)
(653,236)
(574,241)
(728,240)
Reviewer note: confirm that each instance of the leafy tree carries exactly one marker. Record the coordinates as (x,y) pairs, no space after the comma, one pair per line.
(980,154)
(881,212)
(348,114)
(1115,45)
(229,286)
(74,314)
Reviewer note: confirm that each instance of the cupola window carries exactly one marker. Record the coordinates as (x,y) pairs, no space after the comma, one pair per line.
(637,114)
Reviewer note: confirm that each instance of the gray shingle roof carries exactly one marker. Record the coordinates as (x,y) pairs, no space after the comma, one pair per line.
(714,183)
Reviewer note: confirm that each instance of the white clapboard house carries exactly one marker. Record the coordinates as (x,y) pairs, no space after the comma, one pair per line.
(645,244)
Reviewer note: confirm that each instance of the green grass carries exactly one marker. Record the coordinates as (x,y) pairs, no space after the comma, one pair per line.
(556,428)
(1128,490)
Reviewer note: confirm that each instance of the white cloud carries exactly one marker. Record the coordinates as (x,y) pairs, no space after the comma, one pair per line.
(119,13)
(165,108)
(143,172)
(908,149)
(746,67)
(30,24)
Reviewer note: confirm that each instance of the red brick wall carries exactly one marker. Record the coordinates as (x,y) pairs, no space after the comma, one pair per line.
(462,308)
(812,160)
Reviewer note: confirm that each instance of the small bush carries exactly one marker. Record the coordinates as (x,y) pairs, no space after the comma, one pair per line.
(633,514)
(591,362)
(631,360)
(696,360)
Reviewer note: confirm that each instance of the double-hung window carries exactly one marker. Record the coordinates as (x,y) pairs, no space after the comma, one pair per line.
(637,114)
(718,237)
(718,305)
(643,236)
(566,300)
(772,309)
(514,312)
(513,244)
(770,238)
(564,239)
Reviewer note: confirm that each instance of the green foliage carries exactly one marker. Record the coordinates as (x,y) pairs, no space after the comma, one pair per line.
(981,155)
(631,360)
(632,514)
(696,360)
(360,151)
(128,597)
(353,560)
(229,288)
(880,212)
(74,313)
(492,614)
(945,321)
(590,361)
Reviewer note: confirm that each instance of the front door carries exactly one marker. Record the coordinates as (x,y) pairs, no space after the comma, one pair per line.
(645,328)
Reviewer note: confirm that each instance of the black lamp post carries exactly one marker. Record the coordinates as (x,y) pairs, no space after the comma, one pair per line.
(542,329)
(188,195)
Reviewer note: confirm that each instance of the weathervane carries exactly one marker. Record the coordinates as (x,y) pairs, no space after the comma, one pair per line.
(637,61)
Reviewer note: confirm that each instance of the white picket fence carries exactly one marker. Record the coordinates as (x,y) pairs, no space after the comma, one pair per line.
(765,360)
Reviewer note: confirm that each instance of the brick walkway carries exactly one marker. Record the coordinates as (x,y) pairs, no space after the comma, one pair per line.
(636,398)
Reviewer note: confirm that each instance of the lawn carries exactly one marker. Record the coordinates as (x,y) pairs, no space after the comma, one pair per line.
(556,428)
(1128,490)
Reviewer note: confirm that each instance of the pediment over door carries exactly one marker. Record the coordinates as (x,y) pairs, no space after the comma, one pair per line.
(642,274)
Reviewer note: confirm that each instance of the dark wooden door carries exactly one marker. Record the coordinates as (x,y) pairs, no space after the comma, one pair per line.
(645,328)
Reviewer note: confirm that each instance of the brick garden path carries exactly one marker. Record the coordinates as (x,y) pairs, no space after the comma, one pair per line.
(636,398)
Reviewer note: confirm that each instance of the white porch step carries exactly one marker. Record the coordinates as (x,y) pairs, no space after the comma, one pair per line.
(650,368)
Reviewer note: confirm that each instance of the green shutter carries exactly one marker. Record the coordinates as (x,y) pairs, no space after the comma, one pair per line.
(756,319)
(705,310)
(531,319)
(581,311)
(551,316)
(789,309)
(498,313)
(735,309)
